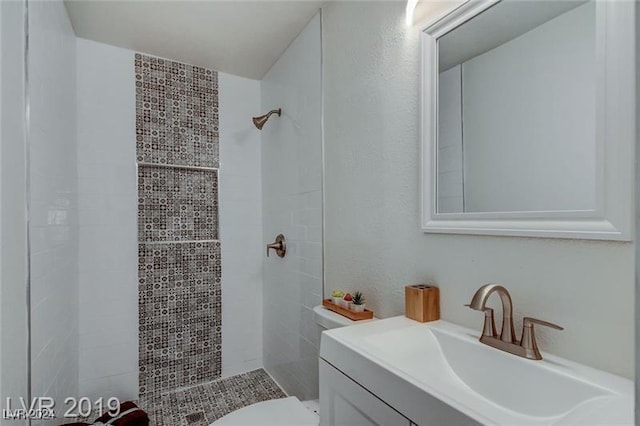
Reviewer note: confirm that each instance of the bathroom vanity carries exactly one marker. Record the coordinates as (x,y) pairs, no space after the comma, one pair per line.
(528,129)
(400,372)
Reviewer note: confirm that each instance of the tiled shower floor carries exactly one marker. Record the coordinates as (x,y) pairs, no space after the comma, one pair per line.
(202,404)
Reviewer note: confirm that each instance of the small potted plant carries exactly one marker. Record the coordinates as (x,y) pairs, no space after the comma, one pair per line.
(347,300)
(358,302)
(337,295)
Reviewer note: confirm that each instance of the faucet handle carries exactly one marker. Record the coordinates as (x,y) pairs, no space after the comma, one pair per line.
(279,245)
(529,322)
(528,341)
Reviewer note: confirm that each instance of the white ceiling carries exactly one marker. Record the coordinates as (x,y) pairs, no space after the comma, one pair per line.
(237,37)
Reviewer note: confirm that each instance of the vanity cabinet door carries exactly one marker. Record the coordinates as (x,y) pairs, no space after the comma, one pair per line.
(344,402)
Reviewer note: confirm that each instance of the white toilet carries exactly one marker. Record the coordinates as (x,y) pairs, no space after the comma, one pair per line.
(285,411)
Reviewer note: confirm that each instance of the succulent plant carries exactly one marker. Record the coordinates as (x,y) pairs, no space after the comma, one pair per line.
(358,298)
(337,293)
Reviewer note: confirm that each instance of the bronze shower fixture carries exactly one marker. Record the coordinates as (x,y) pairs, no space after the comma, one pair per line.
(259,121)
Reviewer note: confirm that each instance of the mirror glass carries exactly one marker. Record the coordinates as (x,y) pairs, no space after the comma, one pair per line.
(516,129)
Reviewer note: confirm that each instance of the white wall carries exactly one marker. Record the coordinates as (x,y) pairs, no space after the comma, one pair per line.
(54,201)
(450,170)
(292,205)
(108,222)
(240,224)
(108,261)
(637,231)
(529,109)
(13,248)
(372,236)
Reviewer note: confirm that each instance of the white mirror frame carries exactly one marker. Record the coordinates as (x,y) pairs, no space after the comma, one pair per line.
(615,139)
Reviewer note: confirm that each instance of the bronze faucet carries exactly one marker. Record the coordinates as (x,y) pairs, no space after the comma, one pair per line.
(526,347)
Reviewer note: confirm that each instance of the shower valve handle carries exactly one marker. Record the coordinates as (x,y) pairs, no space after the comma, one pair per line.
(279,245)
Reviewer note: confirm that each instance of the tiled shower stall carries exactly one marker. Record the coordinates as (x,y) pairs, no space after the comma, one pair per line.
(177,346)
(163,332)
(153,215)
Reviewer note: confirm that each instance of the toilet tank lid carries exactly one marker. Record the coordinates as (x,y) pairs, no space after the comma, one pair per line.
(329,319)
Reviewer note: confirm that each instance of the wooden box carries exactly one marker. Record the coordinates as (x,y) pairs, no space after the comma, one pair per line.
(422,302)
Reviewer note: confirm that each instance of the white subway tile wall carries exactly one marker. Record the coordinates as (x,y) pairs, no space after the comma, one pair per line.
(240,212)
(292,205)
(54,202)
(13,345)
(108,262)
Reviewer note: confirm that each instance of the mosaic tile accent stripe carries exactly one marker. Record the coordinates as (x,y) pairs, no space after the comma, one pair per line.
(177,204)
(179,321)
(176,113)
(179,283)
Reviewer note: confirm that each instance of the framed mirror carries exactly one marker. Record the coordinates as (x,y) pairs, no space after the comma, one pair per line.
(528,119)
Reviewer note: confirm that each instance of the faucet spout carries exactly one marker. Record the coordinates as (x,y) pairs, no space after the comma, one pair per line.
(479,301)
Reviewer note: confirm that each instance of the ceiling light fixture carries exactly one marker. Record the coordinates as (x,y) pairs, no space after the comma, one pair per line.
(411,7)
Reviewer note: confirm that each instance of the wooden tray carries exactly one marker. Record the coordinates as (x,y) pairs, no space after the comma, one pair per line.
(356,316)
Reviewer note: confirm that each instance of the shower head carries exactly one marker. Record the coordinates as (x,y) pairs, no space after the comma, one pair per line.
(259,121)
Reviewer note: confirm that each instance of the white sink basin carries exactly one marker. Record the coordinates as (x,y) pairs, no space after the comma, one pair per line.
(522,385)
(445,363)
